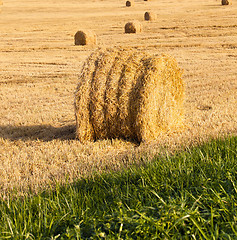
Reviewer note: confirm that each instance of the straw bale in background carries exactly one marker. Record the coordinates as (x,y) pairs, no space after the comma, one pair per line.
(85,37)
(226,2)
(150,16)
(129,3)
(124,93)
(133,27)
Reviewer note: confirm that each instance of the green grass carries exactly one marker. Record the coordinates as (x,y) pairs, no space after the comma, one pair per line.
(189,195)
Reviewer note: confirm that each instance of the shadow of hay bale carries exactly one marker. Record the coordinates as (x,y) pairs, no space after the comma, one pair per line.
(37,132)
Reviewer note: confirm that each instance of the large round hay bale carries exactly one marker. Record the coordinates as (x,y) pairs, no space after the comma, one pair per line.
(226,2)
(124,93)
(133,27)
(85,37)
(129,3)
(150,16)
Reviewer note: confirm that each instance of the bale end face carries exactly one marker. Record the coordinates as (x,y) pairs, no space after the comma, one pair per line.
(150,16)
(85,38)
(133,27)
(226,2)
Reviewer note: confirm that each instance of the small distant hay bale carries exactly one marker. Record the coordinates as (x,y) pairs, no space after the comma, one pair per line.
(226,2)
(150,16)
(124,93)
(133,27)
(129,3)
(85,37)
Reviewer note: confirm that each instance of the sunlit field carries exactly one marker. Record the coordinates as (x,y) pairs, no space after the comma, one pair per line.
(40,65)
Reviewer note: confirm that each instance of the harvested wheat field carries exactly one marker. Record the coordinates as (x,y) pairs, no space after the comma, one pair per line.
(39,74)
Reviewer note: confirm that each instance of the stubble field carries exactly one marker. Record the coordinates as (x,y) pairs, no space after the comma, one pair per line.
(39,68)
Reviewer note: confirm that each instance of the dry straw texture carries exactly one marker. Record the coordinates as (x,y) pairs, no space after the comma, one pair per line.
(150,16)
(129,3)
(133,27)
(124,93)
(226,2)
(86,37)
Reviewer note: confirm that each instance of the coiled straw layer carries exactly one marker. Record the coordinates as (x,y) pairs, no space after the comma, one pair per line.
(124,93)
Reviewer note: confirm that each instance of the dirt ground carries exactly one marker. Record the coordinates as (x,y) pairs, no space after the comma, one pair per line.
(39,68)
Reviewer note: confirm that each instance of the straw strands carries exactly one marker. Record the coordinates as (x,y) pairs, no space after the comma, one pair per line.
(124,93)
(133,27)
(85,37)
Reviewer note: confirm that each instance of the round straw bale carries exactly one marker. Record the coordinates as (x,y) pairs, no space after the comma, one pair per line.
(226,2)
(125,93)
(150,16)
(133,27)
(129,3)
(86,37)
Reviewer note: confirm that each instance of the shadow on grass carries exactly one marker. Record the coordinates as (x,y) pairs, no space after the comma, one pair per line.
(37,132)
